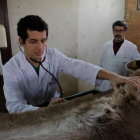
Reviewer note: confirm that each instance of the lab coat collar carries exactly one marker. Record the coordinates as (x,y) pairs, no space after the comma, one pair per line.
(120,50)
(28,68)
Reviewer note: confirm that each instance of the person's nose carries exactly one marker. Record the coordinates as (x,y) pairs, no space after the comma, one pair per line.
(118,33)
(39,45)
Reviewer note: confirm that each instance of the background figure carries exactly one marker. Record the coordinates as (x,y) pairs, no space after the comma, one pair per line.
(117,53)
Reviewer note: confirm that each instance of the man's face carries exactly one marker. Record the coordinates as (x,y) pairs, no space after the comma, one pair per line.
(35,44)
(118,33)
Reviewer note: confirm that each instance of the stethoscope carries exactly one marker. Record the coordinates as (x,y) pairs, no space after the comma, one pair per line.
(40,62)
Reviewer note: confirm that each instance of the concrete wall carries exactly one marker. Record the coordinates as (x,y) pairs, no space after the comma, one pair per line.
(78,28)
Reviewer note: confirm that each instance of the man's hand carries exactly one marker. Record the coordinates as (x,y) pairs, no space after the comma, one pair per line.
(116,79)
(57,101)
(54,101)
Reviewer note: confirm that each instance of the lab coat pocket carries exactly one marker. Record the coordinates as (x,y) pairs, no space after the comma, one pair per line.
(125,60)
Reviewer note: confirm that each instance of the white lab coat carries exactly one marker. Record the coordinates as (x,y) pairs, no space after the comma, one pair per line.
(117,63)
(24,90)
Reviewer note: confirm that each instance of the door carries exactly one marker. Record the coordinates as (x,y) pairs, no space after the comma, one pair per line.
(6,53)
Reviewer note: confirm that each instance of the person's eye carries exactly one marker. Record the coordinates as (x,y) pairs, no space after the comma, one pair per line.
(43,41)
(32,42)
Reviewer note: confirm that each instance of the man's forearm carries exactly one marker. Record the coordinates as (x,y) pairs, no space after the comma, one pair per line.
(105,75)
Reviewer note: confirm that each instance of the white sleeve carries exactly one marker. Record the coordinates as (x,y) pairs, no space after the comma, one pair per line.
(79,69)
(15,101)
(135,54)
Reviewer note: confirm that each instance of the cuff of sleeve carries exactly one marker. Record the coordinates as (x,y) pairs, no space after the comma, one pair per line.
(33,108)
(98,81)
(56,95)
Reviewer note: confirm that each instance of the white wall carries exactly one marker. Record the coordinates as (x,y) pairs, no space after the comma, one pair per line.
(78,28)
(61,16)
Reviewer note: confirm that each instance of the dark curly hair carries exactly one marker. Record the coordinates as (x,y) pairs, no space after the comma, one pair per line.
(120,23)
(33,23)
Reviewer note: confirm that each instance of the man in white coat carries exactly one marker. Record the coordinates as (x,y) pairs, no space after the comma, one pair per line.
(27,86)
(117,53)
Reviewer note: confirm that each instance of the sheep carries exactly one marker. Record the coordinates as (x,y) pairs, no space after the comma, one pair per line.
(105,116)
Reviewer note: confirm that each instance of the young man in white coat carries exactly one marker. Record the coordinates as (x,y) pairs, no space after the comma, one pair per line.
(117,53)
(27,86)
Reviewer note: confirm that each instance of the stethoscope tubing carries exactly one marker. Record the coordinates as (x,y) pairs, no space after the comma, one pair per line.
(40,62)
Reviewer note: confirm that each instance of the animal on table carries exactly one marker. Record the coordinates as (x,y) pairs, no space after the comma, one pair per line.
(105,116)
